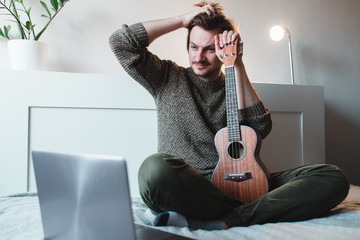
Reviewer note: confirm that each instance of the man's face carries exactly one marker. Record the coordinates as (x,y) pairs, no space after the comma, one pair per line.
(202,54)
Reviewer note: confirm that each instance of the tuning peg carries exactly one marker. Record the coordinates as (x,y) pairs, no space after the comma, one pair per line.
(221,58)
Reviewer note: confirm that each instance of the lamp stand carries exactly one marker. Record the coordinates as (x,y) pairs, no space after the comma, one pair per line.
(291,58)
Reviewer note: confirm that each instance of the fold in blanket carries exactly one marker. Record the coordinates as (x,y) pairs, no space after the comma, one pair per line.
(20,219)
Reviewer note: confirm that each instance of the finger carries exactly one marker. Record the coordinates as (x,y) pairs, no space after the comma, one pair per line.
(217,44)
(221,42)
(230,36)
(225,36)
(235,36)
(208,9)
(211,8)
(216,38)
(218,48)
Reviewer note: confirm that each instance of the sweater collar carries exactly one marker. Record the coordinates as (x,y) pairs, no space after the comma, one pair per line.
(213,85)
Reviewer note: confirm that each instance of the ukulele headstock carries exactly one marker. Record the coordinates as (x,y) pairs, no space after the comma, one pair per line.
(231,52)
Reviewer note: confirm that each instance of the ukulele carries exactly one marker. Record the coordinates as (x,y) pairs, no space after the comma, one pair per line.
(239,173)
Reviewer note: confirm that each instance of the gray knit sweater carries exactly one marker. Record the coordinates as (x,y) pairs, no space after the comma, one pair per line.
(190,111)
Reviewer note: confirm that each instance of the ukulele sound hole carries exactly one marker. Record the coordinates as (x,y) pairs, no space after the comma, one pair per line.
(236,150)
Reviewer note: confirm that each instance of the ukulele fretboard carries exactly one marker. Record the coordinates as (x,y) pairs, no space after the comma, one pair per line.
(232,111)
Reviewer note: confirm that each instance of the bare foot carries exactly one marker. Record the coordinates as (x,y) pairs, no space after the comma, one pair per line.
(354,194)
(223,225)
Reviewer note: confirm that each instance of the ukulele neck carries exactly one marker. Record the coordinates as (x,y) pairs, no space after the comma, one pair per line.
(232,111)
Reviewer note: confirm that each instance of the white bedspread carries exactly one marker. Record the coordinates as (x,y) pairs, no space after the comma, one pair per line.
(20,219)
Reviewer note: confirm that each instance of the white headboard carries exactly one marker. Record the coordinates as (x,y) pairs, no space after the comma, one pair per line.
(112,114)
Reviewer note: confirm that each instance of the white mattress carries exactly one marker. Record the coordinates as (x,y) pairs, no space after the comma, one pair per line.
(20,219)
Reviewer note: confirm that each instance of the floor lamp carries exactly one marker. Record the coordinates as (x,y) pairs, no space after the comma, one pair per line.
(277,33)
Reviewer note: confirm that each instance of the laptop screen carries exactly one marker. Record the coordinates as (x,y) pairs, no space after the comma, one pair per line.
(83,196)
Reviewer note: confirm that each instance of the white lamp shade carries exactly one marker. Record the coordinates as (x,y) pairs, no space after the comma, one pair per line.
(277,33)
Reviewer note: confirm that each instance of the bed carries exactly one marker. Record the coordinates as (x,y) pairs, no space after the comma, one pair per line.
(56,112)
(20,219)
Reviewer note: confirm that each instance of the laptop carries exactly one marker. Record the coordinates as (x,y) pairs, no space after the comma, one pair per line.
(87,197)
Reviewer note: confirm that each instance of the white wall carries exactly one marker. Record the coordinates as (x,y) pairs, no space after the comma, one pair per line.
(325,34)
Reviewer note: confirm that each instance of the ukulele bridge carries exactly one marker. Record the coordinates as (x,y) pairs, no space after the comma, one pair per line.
(237,177)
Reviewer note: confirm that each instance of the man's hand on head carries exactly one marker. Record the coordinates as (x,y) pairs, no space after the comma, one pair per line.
(186,18)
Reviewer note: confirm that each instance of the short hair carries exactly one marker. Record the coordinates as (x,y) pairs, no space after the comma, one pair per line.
(217,20)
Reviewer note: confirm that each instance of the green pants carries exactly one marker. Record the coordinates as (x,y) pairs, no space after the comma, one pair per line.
(167,183)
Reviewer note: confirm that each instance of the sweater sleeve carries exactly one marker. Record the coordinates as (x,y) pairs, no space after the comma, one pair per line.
(258,117)
(129,44)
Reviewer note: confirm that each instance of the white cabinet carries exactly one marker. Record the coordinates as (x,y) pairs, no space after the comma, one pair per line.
(112,114)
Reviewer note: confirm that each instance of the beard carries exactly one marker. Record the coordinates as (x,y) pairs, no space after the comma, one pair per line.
(209,72)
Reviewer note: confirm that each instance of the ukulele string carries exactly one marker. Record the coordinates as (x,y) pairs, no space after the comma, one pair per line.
(234,150)
(230,53)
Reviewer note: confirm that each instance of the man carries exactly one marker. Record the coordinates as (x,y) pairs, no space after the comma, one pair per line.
(174,183)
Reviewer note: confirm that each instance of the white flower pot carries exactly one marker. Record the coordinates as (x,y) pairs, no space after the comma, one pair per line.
(27,54)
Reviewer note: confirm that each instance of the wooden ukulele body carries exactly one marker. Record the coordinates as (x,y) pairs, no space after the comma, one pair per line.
(240,173)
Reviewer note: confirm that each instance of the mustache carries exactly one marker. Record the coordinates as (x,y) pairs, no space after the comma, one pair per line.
(201,62)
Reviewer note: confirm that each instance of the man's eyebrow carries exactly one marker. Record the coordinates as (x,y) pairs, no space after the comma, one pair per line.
(206,47)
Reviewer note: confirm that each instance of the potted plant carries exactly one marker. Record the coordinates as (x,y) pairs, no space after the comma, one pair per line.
(26,52)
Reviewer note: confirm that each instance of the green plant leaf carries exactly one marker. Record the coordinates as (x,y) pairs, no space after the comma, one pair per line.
(5,33)
(7,30)
(1,33)
(55,4)
(28,25)
(45,16)
(46,8)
